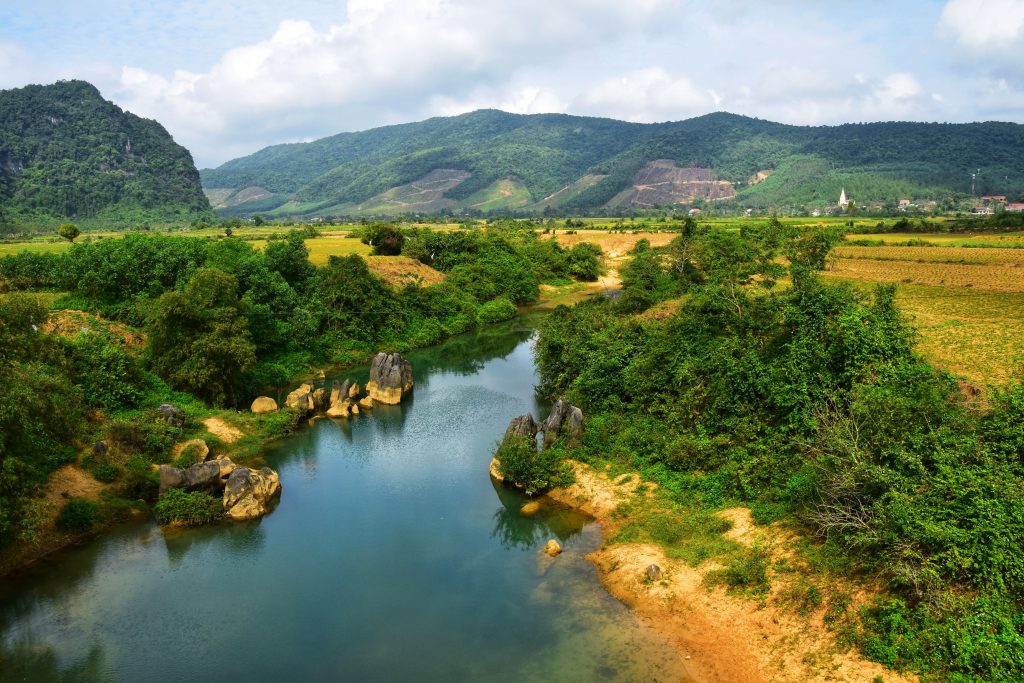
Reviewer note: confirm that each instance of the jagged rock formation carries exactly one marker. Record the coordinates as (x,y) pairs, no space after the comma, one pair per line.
(206,476)
(523,426)
(390,378)
(564,420)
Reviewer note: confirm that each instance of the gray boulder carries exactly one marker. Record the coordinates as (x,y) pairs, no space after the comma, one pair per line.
(390,378)
(565,420)
(172,415)
(203,476)
(523,426)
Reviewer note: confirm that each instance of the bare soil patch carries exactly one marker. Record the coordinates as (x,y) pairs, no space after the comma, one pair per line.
(222,430)
(725,638)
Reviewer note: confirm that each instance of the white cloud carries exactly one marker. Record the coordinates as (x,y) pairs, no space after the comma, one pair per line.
(386,54)
(984,26)
(646,95)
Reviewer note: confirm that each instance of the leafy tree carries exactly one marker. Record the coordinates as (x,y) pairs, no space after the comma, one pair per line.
(199,339)
(68,231)
(290,258)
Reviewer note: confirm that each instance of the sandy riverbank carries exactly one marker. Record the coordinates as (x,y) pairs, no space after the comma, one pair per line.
(725,638)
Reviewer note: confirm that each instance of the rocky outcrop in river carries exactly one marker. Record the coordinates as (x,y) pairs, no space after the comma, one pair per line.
(247,492)
(390,378)
(390,381)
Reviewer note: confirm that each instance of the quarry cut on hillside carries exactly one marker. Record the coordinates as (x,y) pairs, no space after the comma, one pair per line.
(662,182)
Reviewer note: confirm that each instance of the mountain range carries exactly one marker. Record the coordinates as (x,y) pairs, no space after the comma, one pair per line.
(493,161)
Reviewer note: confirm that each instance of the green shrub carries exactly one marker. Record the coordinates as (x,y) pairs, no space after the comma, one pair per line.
(521,463)
(191,509)
(107,472)
(139,481)
(150,436)
(747,573)
(78,516)
(496,310)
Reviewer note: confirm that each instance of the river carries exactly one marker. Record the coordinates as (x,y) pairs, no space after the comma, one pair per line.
(391,557)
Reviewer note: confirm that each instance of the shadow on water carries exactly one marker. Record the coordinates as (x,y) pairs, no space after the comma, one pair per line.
(512,530)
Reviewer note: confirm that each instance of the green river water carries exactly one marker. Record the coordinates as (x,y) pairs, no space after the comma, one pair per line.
(391,557)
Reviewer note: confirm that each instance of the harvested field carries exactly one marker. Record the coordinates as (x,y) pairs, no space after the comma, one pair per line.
(983,255)
(615,245)
(399,271)
(996,278)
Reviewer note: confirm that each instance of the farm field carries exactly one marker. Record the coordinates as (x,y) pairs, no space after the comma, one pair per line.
(967,303)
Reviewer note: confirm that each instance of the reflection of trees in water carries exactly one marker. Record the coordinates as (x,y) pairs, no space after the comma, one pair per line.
(28,661)
(241,539)
(513,530)
(466,354)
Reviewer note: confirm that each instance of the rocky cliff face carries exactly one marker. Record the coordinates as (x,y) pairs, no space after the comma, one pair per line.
(662,182)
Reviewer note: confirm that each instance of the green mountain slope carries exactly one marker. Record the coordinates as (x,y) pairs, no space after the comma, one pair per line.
(66,153)
(581,163)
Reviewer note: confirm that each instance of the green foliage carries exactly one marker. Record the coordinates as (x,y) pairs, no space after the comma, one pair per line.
(70,153)
(585,262)
(68,231)
(810,403)
(108,376)
(107,472)
(199,337)
(385,239)
(534,471)
(747,573)
(177,506)
(496,310)
(78,516)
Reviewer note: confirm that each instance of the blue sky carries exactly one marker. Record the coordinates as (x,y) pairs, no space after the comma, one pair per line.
(229,77)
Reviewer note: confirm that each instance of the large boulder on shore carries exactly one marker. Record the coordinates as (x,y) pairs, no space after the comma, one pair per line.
(203,476)
(248,492)
(263,405)
(301,399)
(390,378)
(565,420)
(522,426)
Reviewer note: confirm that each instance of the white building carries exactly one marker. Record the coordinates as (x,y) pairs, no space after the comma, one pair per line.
(843,201)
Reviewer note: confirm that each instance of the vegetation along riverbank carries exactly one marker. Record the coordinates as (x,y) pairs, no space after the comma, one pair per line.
(763,387)
(96,339)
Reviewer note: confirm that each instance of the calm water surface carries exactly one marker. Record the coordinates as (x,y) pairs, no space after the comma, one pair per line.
(391,557)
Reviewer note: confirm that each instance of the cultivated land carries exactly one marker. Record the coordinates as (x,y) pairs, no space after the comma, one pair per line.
(965,292)
(966,301)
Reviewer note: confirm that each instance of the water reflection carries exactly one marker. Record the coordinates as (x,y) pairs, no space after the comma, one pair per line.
(515,531)
(28,661)
(386,560)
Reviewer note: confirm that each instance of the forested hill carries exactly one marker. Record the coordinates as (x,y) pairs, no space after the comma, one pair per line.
(493,161)
(68,154)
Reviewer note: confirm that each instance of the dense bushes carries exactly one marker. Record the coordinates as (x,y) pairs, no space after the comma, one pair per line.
(810,403)
(79,515)
(191,509)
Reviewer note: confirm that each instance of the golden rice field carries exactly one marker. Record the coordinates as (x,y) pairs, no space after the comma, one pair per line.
(967,303)
(951,255)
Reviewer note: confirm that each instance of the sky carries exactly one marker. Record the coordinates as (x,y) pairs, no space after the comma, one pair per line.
(229,77)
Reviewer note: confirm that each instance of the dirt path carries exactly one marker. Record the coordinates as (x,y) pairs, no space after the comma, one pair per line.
(222,430)
(726,639)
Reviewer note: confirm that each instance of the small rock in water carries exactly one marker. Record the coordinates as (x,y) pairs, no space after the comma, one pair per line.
(552,548)
(652,573)
(529,508)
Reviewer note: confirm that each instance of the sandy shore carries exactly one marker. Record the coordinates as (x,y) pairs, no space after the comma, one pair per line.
(724,638)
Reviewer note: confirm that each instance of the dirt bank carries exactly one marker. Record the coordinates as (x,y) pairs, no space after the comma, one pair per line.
(726,638)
